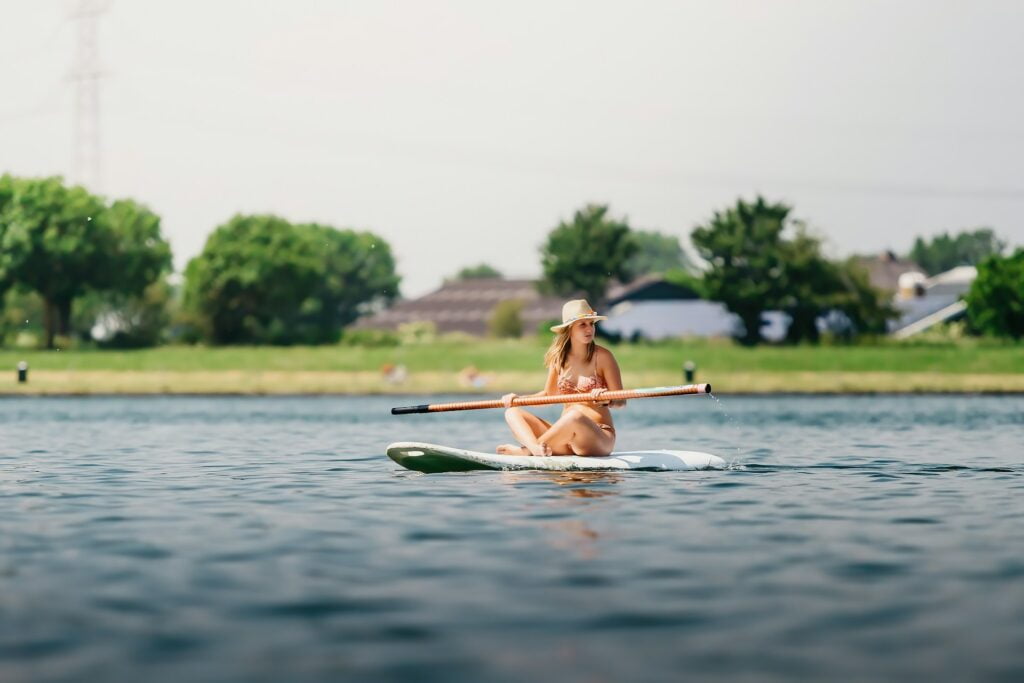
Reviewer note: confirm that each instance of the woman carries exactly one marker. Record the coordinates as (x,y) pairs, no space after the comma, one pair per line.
(576,365)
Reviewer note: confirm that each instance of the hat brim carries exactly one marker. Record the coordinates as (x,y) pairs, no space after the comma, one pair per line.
(595,318)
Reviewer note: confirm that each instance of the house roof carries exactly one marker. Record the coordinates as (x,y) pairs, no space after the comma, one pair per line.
(467,305)
(649,288)
(885,269)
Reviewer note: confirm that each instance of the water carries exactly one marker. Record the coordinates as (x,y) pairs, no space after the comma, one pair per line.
(266,539)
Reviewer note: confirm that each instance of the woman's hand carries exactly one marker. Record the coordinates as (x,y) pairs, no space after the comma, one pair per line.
(507,399)
(595,396)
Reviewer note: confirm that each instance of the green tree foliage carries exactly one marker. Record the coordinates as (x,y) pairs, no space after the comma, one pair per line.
(947,251)
(477,272)
(21,317)
(656,253)
(506,319)
(62,241)
(126,321)
(742,246)
(6,196)
(995,302)
(586,254)
(262,280)
(755,267)
(866,308)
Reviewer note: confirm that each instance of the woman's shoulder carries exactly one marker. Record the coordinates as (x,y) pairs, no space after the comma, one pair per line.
(602,354)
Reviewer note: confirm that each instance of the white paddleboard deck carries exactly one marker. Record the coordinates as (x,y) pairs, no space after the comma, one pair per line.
(426,457)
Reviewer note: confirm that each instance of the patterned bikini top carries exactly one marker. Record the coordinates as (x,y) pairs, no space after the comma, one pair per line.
(583,384)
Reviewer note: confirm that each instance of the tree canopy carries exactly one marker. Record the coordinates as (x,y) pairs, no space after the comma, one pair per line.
(656,253)
(584,255)
(995,302)
(946,251)
(62,241)
(261,279)
(742,248)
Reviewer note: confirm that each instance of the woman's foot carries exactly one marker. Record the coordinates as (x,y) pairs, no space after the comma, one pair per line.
(540,449)
(536,449)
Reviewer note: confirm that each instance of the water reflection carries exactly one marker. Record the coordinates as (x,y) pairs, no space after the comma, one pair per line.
(570,527)
(576,484)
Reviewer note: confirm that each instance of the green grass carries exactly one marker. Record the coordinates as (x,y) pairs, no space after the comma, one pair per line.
(711,357)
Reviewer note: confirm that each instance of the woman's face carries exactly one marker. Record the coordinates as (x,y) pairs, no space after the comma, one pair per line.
(582,332)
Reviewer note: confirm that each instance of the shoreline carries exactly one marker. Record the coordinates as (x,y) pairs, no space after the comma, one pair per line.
(227,383)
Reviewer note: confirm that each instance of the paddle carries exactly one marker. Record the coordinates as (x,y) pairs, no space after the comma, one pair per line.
(620,395)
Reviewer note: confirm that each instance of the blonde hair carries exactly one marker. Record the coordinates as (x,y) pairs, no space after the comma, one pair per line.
(558,353)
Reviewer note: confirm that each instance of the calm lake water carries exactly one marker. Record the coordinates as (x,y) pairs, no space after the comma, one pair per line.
(270,539)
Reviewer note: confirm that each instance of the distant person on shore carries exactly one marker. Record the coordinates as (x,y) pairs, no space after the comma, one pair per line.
(576,365)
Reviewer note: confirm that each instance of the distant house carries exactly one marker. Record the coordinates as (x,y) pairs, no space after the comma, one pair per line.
(925,302)
(922,301)
(467,305)
(653,308)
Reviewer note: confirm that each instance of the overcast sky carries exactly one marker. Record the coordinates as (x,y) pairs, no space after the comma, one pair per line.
(463,132)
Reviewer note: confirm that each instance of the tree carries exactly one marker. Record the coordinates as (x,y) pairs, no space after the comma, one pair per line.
(52,241)
(742,246)
(262,280)
(656,253)
(586,254)
(808,282)
(756,267)
(63,241)
(477,272)
(356,274)
(944,251)
(995,301)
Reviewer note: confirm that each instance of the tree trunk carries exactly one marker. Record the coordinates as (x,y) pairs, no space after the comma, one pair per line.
(49,320)
(56,319)
(752,324)
(803,326)
(64,317)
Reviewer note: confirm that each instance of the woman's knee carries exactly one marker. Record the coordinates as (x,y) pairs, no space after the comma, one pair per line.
(513,413)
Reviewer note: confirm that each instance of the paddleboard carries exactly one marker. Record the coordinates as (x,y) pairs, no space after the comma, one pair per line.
(426,457)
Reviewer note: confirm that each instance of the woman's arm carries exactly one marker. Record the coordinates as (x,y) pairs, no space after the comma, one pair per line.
(609,369)
(550,389)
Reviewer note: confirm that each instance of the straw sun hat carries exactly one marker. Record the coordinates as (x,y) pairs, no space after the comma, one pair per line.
(577,309)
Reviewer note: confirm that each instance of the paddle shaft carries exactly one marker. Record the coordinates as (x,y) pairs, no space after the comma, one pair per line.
(620,395)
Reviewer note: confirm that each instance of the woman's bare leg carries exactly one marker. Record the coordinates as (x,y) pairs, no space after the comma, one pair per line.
(526,427)
(576,434)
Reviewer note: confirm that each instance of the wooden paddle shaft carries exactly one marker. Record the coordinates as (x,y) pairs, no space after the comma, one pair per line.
(620,395)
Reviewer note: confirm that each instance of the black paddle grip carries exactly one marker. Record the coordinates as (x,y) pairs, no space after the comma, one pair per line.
(405,410)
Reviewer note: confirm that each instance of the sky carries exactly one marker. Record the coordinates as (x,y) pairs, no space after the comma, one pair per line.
(463,131)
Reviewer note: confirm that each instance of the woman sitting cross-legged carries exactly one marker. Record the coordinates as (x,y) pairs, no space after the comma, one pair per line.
(576,365)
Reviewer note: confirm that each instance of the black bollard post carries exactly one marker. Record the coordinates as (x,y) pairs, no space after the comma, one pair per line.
(689,371)
(22,372)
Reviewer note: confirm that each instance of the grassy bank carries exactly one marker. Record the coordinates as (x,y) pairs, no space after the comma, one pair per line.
(514,365)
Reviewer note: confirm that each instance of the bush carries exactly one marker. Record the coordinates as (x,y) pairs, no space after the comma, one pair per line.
(369,338)
(419,332)
(995,302)
(506,319)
